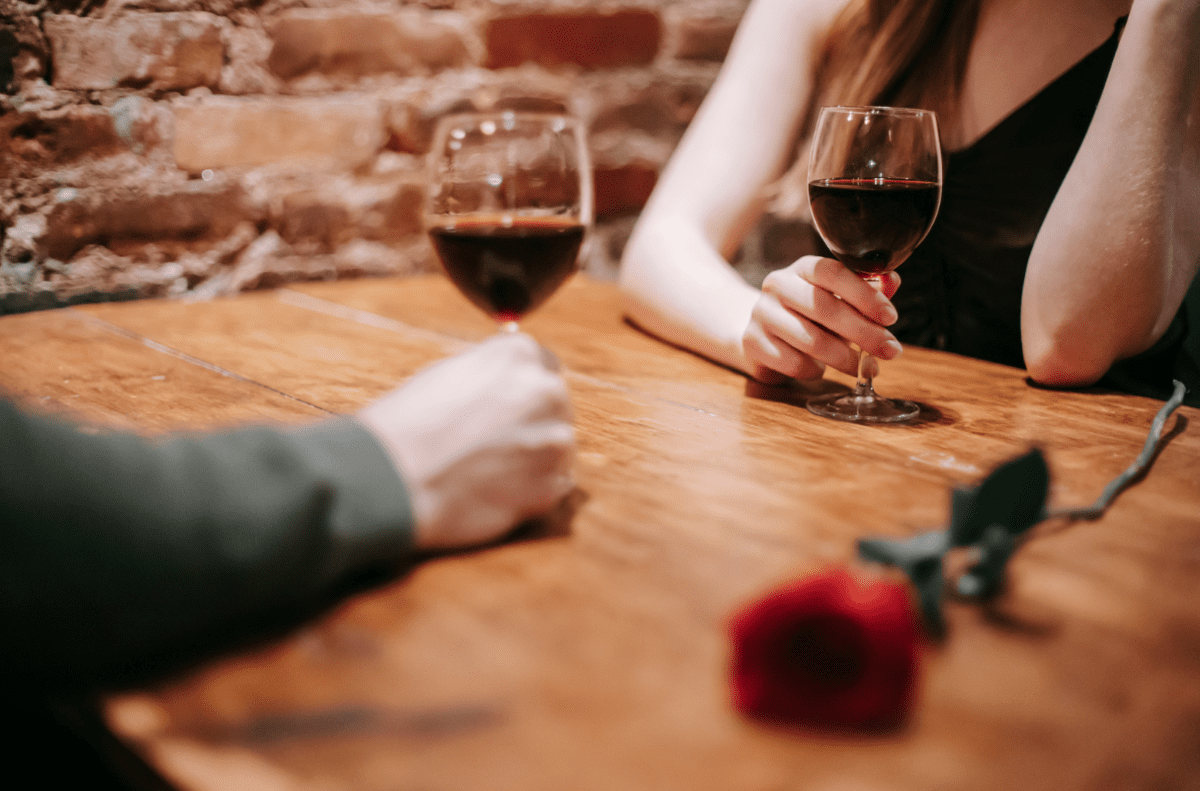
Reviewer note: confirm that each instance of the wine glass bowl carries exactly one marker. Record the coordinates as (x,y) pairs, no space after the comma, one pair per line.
(509,201)
(874,188)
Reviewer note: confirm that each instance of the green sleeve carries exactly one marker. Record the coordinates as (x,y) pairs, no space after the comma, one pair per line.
(121,556)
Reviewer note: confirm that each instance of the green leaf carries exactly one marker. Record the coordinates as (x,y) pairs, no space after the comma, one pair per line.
(986,577)
(920,557)
(1013,496)
(927,578)
(904,552)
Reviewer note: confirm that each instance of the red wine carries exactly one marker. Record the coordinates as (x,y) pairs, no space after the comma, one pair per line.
(508,270)
(871,225)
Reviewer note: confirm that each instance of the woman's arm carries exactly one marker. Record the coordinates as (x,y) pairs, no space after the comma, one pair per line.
(1121,243)
(675,277)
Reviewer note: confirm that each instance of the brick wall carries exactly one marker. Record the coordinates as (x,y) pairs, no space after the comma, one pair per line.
(164,147)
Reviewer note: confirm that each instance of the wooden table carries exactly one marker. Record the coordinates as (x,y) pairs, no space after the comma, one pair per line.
(594,657)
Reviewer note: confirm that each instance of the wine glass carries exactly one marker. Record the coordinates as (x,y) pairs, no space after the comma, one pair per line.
(508,203)
(874,187)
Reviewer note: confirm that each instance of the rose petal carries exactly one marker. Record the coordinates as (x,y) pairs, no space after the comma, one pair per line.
(830,650)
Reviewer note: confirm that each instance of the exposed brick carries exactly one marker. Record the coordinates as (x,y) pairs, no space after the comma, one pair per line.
(324,92)
(245,70)
(334,41)
(411,112)
(191,210)
(271,262)
(22,239)
(411,115)
(56,137)
(137,50)
(394,212)
(410,128)
(523,102)
(144,125)
(309,217)
(624,189)
(97,274)
(9,49)
(704,37)
(23,48)
(362,257)
(591,39)
(657,103)
(407,131)
(217,132)
(379,208)
(222,7)
(650,111)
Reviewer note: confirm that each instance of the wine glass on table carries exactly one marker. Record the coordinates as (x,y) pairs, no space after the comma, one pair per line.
(874,187)
(508,203)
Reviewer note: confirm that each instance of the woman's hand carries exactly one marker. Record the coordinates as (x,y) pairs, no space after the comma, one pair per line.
(482,440)
(810,313)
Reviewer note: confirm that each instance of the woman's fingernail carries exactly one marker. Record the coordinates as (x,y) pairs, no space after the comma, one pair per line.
(894,349)
(890,315)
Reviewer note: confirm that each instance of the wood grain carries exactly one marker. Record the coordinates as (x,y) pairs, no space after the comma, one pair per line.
(337,364)
(66,362)
(595,658)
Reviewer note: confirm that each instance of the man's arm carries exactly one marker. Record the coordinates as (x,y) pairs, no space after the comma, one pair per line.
(119,554)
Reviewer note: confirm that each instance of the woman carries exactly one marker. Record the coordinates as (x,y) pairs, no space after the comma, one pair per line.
(1070,224)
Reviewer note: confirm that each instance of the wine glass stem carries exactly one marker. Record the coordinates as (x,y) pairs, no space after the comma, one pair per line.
(864,388)
(509,326)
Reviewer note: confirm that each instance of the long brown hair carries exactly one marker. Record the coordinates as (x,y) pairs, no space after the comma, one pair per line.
(902,53)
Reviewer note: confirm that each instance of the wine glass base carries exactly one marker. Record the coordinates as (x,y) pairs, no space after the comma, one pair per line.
(870,408)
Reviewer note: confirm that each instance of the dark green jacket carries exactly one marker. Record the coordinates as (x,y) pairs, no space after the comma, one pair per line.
(122,556)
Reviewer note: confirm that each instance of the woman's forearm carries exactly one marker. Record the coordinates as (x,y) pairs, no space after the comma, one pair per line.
(676,286)
(1121,242)
(676,280)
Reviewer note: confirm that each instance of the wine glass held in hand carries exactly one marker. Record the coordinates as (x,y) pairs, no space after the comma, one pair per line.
(509,201)
(875,184)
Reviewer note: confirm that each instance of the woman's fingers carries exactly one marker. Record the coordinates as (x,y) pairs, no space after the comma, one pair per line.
(813,313)
(790,343)
(889,284)
(826,293)
(834,277)
(776,361)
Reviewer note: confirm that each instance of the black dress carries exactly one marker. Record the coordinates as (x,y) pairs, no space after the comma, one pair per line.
(962,286)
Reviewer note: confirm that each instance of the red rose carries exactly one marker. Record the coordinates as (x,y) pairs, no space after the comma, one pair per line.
(831,650)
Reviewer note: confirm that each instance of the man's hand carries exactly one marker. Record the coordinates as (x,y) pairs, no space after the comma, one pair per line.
(483,440)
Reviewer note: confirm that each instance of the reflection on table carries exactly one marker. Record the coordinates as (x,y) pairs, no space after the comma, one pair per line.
(590,651)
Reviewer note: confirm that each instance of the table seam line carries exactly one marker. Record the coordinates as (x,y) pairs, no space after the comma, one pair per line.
(188,358)
(336,309)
